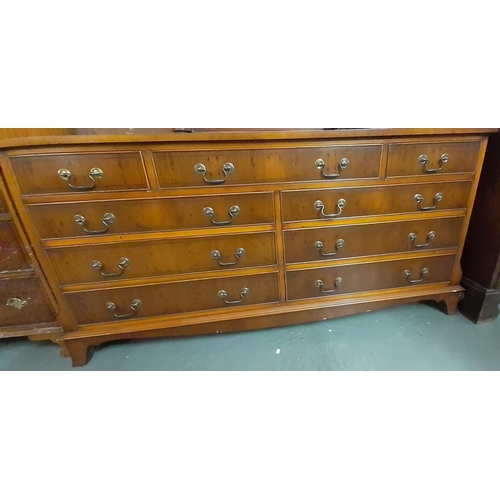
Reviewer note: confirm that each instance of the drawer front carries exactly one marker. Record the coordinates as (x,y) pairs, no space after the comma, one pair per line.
(341,242)
(202,168)
(334,204)
(173,298)
(23,302)
(159,258)
(321,282)
(12,256)
(40,174)
(432,158)
(139,216)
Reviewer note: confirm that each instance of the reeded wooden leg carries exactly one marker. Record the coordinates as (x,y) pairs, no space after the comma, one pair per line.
(80,353)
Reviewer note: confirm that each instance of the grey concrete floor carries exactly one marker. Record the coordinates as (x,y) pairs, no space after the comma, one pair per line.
(412,337)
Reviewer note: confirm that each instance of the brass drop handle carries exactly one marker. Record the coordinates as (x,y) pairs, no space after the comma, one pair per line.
(95,173)
(424,161)
(419,199)
(321,165)
(240,252)
(106,220)
(413,238)
(320,246)
(222,294)
(136,303)
(121,265)
(227,169)
(16,303)
(319,205)
(423,274)
(233,212)
(337,283)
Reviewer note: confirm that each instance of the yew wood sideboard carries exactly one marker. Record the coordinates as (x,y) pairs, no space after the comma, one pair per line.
(140,234)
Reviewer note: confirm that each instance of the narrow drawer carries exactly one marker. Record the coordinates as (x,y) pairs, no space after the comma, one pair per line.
(173,298)
(341,242)
(234,167)
(57,173)
(430,158)
(23,302)
(12,256)
(164,257)
(159,214)
(334,204)
(338,280)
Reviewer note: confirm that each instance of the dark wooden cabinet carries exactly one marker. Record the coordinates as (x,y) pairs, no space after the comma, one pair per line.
(481,256)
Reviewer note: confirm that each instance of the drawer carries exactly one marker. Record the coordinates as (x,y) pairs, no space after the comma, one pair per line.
(333,204)
(341,242)
(233,167)
(23,302)
(173,298)
(12,256)
(432,158)
(322,282)
(159,214)
(163,257)
(40,174)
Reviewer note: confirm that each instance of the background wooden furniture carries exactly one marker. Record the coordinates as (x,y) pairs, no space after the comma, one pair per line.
(481,257)
(149,234)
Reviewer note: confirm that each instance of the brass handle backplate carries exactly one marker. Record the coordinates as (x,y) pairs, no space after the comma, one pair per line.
(423,274)
(136,303)
(337,283)
(240,252)
(424,161)
(95,173)
(233,212)
(106,220)
(419,199)
(321,165)
(320,206)
(320,246)
(122,264)
(222,294)
(413,238)
(16,303)
(227,169)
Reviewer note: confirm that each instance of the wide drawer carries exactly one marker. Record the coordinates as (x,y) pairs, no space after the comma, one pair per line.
(85,264)
(56,173)
(23,302)
(339,203)
(159,214)
(432,158)
(342,279)
(341,242)
(12,256)
(173,298)
(233,167)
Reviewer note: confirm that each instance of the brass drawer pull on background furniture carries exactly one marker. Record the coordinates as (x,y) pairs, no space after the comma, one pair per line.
(320,245)
(424,161)
(222,294)
(136,303)
(423,274)
(17,303)
(227,169)
(319,205)
(240,252)
(121,265)
(233,212)
(420,199)
(320,285)
(95,173)
(413,238)
(321,165)
(106,220)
